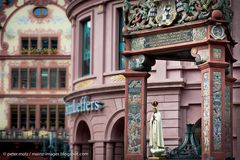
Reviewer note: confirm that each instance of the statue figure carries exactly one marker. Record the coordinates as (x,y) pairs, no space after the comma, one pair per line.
(156,142)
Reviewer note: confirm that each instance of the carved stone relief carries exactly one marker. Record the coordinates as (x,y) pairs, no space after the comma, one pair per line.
(201,56)
(154,13)
(217,53)
(217,111)
(134,116)
(206,112)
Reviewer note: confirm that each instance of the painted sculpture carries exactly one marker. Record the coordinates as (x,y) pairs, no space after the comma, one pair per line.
(156,142)
(162,13)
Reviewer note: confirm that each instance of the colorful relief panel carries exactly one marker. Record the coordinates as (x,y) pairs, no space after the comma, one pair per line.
(166,39)
(206,111)
(217,53)
(134,116)
(228,118)
(217,111)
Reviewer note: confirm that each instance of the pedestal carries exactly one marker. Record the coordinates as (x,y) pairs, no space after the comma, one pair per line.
(135,115)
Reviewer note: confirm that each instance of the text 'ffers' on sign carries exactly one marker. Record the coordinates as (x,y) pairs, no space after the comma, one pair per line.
(83,105)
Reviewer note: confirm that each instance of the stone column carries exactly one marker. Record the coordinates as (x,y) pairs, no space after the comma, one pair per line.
(216,102)
(109,151)
(98,151)
(135,115)
(74,151)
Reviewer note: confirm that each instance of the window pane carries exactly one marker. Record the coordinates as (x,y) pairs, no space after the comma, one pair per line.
(53,78)
(52,110)
(15,77)
(34,43)
(45,43)
(25,43)
(44,12)
(54,43)
(24,76)
(32,116)
(62,78)
(86,48)
(122,59)
(37,12)
(40,12)
(43,118)
(44,78)
(33,78)
(23,115)
(61,116)
(14,116)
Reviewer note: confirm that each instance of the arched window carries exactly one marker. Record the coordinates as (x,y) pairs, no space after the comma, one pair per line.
(40,12)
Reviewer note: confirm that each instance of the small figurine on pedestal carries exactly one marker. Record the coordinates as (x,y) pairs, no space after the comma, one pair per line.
(156,142)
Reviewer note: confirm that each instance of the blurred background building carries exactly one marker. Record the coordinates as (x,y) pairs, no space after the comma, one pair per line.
(35,49)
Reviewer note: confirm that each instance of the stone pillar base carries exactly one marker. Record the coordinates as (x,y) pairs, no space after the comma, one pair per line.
(157,158)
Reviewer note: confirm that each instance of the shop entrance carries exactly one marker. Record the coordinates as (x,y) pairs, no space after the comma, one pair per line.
(84,147)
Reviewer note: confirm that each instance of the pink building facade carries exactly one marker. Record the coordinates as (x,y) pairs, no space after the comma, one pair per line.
(97,77)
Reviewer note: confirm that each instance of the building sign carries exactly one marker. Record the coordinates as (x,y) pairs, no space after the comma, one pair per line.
(166,39)
(83,105)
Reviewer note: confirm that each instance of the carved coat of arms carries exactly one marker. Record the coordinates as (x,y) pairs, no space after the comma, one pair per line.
(166,12)
(144,14)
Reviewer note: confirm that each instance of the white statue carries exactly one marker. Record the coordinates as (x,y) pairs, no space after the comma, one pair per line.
(156,142)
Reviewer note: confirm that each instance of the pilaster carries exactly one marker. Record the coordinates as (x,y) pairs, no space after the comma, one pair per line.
(135,118)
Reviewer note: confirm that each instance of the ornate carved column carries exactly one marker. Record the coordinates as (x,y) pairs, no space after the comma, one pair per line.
(136,74)
(135,115)
(216,101)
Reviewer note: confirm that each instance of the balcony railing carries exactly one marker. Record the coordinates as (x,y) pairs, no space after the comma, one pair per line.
(34,51)
(32,135)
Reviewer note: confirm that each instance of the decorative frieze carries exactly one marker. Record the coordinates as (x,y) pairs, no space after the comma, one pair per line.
(83,84)
(117,78)
(217,53)
(157,13)
(228,128)
(217,111)
(165,39)
(134,116)
(206,112)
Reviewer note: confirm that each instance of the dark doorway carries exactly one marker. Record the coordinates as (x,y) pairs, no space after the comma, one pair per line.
(117,138)
(83,136)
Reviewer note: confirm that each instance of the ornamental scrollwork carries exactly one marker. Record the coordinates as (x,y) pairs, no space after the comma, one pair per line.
(161,13)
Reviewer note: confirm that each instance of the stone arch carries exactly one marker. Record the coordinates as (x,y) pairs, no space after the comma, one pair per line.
(112,121)
(82,139)
(82,133)
(81,119)
(116,133)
